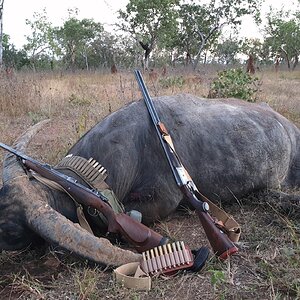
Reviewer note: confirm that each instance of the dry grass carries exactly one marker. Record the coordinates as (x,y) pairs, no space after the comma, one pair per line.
(75,102)
(268,264)
(281,90)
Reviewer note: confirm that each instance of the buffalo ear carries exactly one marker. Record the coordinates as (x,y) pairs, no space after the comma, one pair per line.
(14,231)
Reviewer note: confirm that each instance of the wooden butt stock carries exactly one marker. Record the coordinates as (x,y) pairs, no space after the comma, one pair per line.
(222,246)
(219,241)
(137,234)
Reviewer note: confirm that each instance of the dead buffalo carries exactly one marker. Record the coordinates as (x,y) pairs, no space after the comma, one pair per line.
(230,148)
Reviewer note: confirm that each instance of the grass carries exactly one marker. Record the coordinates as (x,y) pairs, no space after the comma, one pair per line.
(268,263)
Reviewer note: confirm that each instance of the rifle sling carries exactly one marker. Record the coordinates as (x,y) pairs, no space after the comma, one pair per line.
(231,227)
(79,209)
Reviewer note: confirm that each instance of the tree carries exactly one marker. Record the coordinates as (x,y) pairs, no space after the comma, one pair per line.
(110,49)
(13,58)
(42,41)
(149,22)
(195,26)
(282,35)
(258,49)
(1,32)
(202,24)
(76,37)
(102,50)
(227,50)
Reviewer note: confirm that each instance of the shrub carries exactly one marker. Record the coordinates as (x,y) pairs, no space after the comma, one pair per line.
(234,83)
(171,81)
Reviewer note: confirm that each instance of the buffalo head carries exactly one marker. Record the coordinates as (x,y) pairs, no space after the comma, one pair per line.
(31,213)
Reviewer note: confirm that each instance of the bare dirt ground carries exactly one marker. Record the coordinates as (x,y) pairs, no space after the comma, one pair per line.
(267,265)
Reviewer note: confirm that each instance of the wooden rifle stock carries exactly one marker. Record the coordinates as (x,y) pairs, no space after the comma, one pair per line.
(137,234)
(221,244)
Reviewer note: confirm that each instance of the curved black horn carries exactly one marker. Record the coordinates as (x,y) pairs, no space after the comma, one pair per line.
(11,167)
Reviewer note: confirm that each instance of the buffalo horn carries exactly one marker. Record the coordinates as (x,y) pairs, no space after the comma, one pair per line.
(50,224)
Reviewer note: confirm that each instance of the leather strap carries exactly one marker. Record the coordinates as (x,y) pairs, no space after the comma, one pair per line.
(79,210)
(230,226)
(131,276)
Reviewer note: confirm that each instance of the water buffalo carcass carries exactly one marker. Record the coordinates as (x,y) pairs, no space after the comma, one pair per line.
(230,148)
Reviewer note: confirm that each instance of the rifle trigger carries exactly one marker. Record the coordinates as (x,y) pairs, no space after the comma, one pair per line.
(92,211)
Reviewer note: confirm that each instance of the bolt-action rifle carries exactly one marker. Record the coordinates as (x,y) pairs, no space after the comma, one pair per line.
(137,234)
(221,244)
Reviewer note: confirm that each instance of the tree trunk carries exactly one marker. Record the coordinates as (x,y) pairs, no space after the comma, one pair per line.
(86,60)
(204,39)
(200,49)
(148,50)
(295,62)
(146,60)
(205,57)
(1,33)
(286,57)
(198,55)
(188,58)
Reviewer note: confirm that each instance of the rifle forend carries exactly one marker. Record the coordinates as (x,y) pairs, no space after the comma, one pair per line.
(219,241)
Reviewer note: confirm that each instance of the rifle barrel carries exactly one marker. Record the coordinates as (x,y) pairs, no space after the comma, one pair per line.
(155,119)
(148,100)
